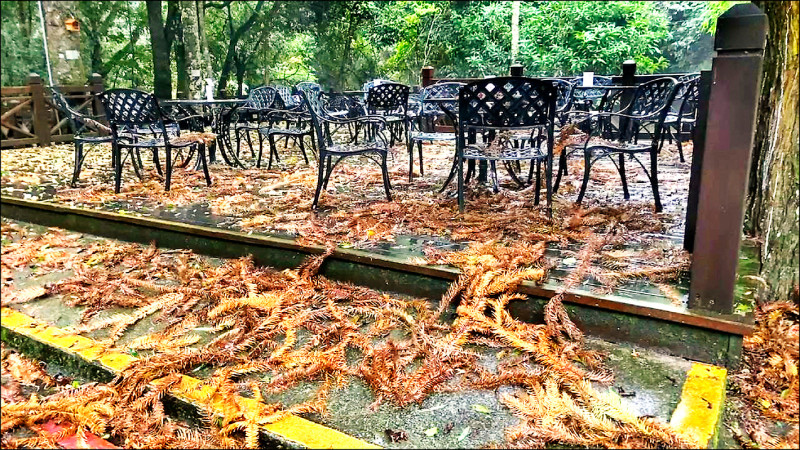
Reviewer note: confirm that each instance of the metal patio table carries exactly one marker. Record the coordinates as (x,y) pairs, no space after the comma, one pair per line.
(212,110)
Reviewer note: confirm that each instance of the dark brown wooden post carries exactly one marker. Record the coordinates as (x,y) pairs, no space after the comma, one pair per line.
(628,79)
(426,76)
(727,150)
(516,70)
(96,86)
(39,110)
(629,73)
(698,138)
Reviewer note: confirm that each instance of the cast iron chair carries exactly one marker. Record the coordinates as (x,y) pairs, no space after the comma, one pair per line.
(390,100)
(306,85)
(646,111)
(328,148)
(129,112)
(81,125)
(298,126)
(430,114)
(686,114)
(491,115)
(252,116)
(586,99)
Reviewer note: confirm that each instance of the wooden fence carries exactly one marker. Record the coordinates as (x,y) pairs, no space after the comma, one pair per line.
(28,117)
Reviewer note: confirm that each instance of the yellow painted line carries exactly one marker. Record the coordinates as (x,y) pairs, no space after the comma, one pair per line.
(292,428)
(700,409)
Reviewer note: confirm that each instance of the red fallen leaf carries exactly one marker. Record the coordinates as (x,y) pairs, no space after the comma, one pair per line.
(71,440)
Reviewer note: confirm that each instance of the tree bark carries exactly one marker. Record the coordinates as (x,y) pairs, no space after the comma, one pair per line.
(201,23)
(235,35)
(514,31)
(162,74)
(175,35)
(64,46)
(193,53)
(773,202)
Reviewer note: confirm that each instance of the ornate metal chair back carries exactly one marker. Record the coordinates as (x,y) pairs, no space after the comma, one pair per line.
(388,98)
(132,109)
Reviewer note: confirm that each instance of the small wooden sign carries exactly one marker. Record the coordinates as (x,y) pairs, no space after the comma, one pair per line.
(72,24)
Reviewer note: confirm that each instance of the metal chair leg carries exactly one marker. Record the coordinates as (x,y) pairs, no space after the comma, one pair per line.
(654,180)
(202,155)
(410,148)
(587,157)
(385,170)
(320,170)
(76,170)
(168,175)
(621,169)
(419,149)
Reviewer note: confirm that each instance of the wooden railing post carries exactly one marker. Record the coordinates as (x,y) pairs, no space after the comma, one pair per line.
(740,40)
(97,86)
(39,110)
(516,70)
(628,79)
(698,138)
(426,76)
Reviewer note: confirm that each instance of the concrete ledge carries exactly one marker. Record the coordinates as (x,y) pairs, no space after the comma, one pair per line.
(699,413)
(291,431)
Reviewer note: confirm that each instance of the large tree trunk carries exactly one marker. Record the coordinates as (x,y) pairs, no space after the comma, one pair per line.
(162,75)
(775,175)
(63,46)
(192,51)
(514,31)
(201,23)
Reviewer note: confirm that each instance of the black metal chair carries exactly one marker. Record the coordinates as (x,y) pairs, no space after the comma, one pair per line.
(390,100)
(430,114)
(81,126)
(328,148)
(298,126)
(646,111)
(252,116)
(686,113)
(308,85)
(587,99)
(491,115)
(129,111)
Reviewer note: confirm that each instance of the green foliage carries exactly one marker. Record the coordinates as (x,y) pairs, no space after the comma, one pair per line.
(20,43)
(342,44)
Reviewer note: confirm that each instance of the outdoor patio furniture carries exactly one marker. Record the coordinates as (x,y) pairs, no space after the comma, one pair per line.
(81,125)
(493,112)
(376,146)
(212,112)
(586,99)
(298,126)
(647,110)
(130,112)
(429,114)
(686,114)
(390,100)
(252,116)
(306,85)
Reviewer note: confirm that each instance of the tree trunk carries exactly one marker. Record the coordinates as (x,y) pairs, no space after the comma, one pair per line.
(192,51)
(201,23)
(514,31)
(162,74)
(176,35)
(775,175)
(64,46)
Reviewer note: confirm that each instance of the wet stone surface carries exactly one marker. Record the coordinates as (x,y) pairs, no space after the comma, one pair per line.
(648,382)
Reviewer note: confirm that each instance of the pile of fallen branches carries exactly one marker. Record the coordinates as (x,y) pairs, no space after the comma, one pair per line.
(93,408)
